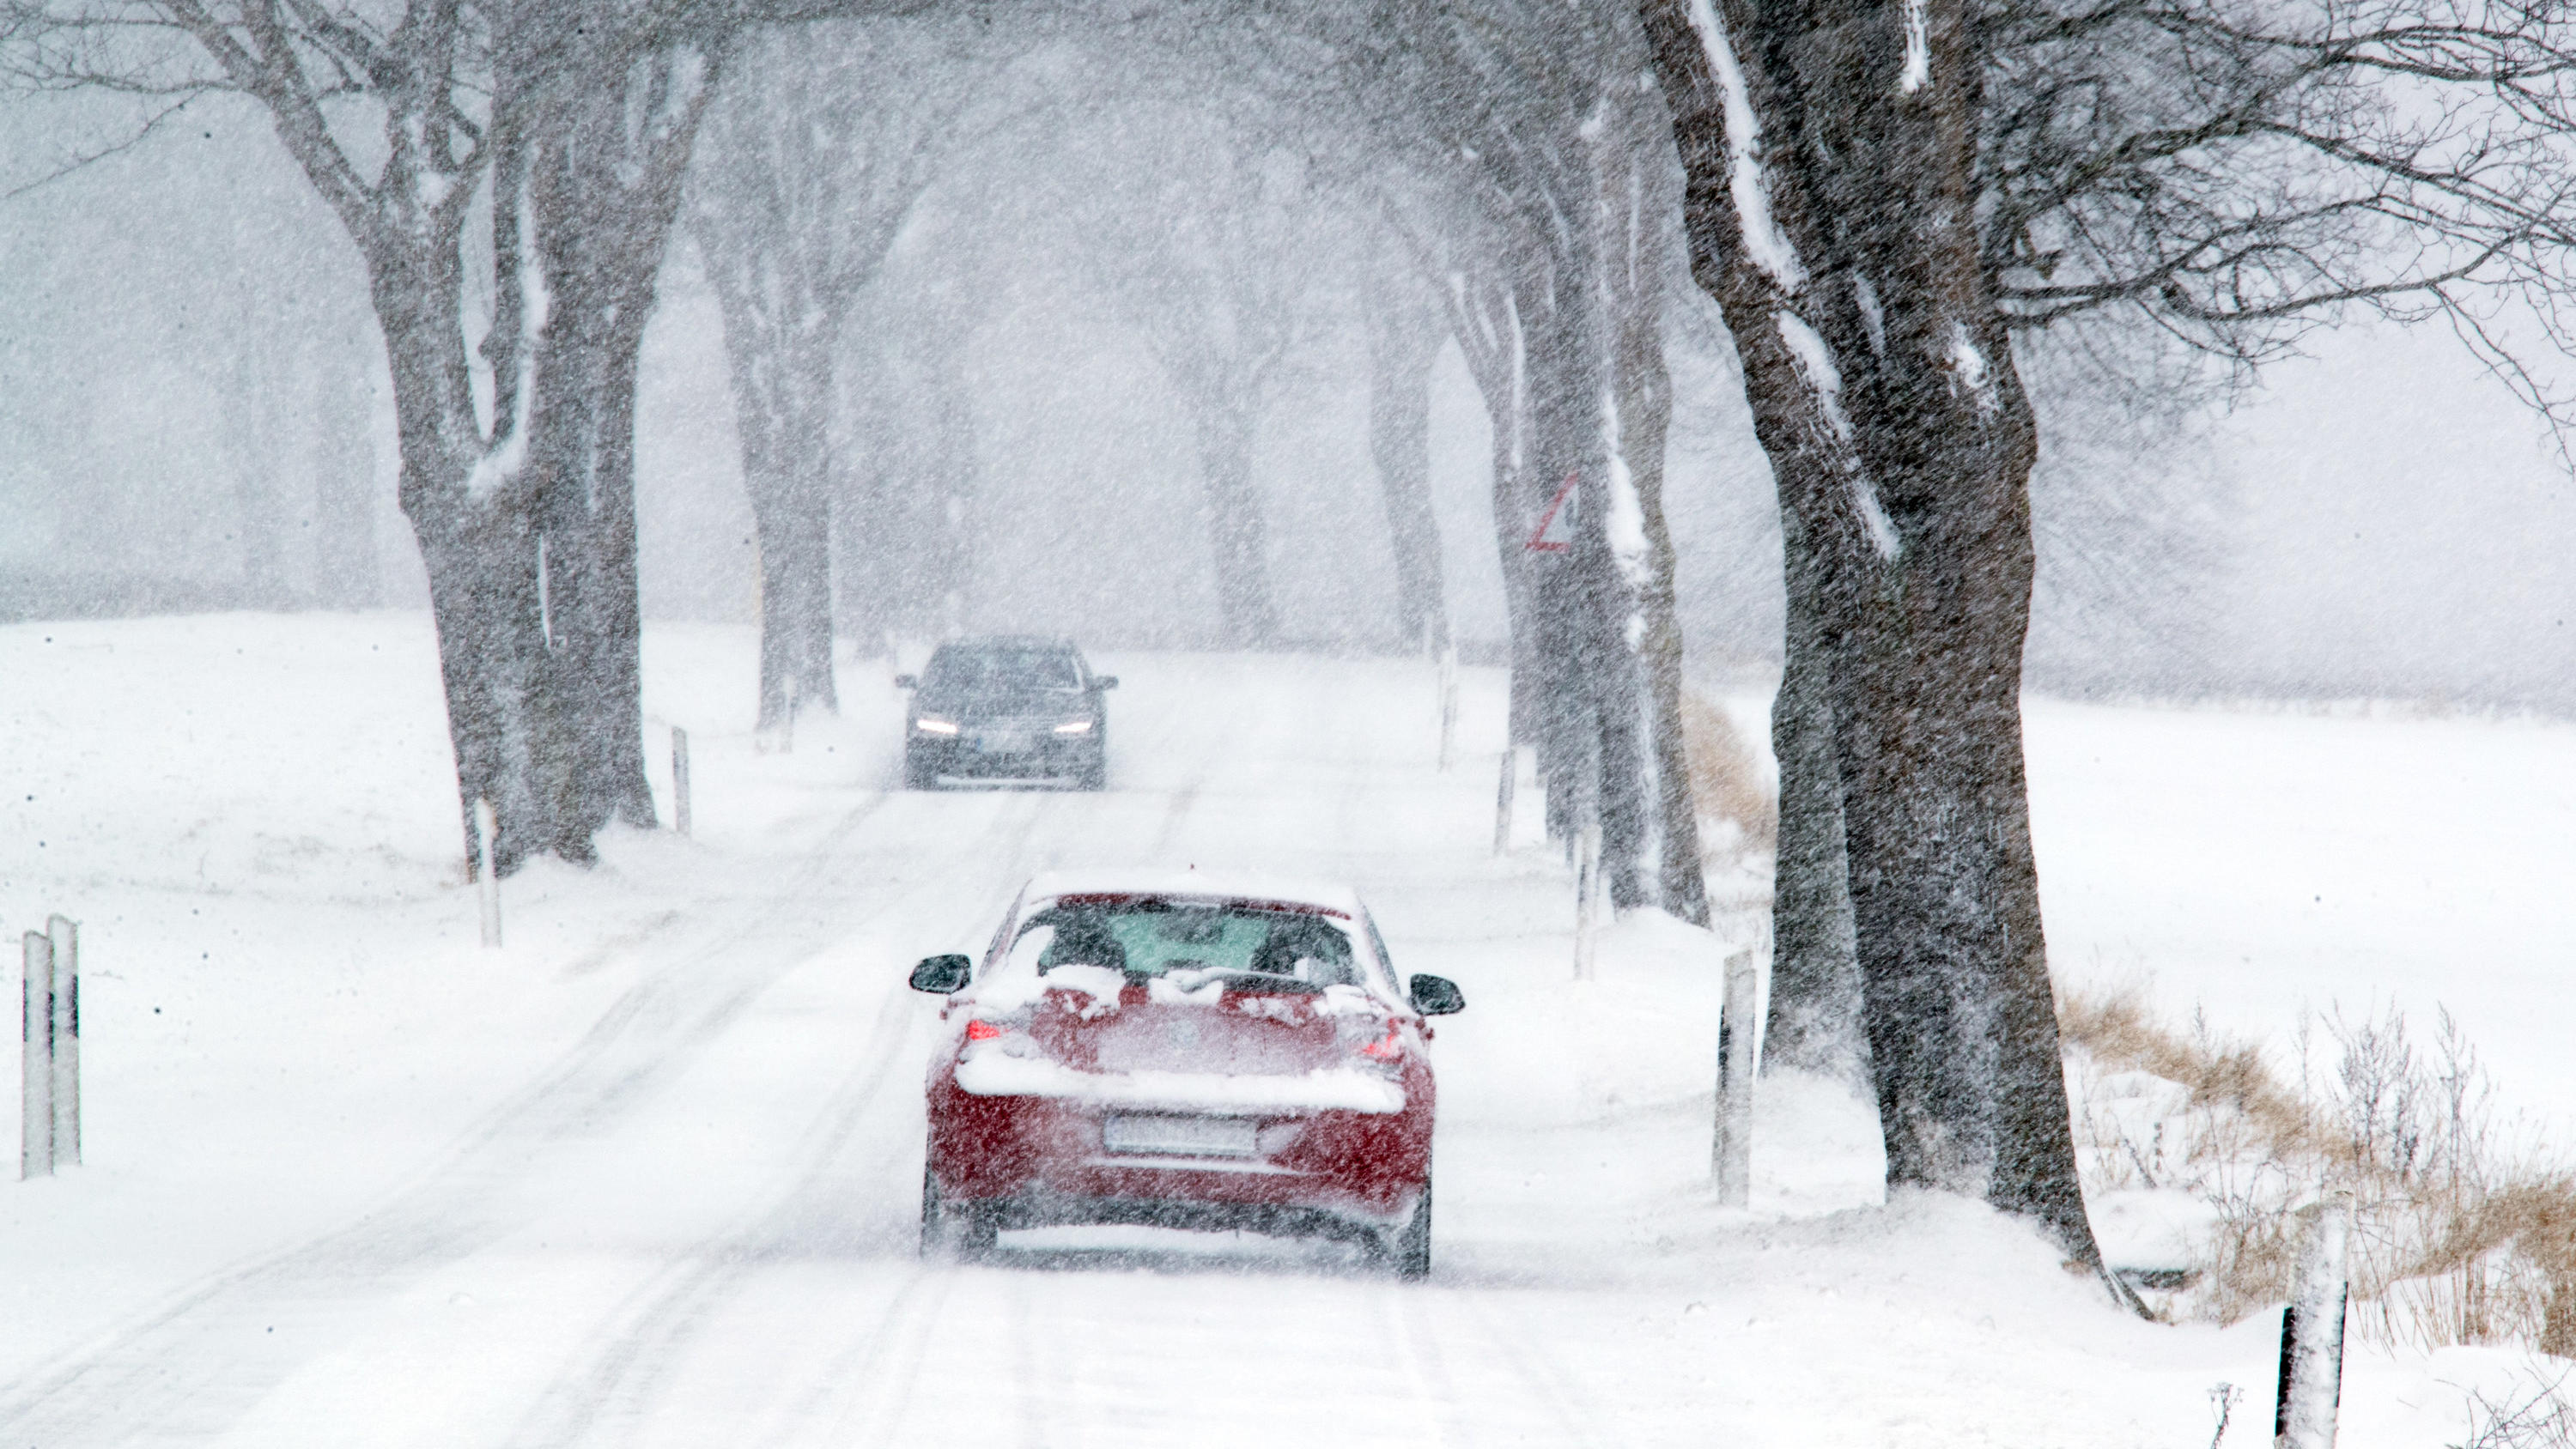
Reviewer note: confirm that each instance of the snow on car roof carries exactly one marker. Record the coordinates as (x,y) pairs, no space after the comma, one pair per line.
(1210,885)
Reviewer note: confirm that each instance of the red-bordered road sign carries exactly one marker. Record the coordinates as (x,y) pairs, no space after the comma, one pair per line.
(1555,531)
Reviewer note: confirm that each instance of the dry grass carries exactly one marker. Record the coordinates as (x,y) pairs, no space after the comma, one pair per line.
(2460,1234)
(1727,776)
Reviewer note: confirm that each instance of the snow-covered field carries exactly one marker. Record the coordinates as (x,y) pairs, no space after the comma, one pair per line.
(649,1174)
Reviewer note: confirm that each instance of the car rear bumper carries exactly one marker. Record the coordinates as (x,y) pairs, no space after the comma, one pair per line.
(1043,1209)
(1032,1161)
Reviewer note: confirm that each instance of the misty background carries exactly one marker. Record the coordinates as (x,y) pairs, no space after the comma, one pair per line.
(196,417)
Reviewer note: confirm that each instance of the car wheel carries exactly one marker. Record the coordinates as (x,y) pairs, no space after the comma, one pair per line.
(1094,776)
(1407,1250)
(917,774)
(955,1232)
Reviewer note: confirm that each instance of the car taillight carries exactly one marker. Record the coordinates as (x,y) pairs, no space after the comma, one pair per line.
(1388,1048)
(981,1031)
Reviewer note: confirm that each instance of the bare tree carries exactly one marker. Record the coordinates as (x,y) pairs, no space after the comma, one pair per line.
(573,122)
(1830,157)
(808,173)
(1215,264)
(1405,330)
(2161,180)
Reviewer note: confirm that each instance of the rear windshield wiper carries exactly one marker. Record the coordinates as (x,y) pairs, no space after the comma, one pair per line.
(1198,976)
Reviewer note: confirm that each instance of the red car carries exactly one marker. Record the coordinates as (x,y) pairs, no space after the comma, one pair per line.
(1186,1052)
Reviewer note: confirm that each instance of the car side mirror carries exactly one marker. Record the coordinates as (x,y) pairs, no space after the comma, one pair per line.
(946,975)
(906,681)
(1105,681)
(1436,995)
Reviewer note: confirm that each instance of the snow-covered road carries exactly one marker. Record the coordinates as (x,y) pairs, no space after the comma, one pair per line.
(652,1173)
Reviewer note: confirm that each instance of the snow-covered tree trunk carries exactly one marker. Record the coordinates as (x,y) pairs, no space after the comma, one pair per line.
(1645,417)
(604,192)
(1485,318)
(1814,1017)
(1238,527)
(474,524)
(1829,158)
(778,351)
(1403,339)
(1633,171)
(346,571)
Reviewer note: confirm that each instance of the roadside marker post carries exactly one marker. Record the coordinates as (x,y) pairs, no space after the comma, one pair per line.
(1503,802)
(2311,1389)
(1448,703)
(36,1074)
(1737,1036)
(680,778)
(487,878)
(63,934)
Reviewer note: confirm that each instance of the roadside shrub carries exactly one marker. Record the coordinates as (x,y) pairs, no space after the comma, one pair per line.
(2464,1232)
(1728,779)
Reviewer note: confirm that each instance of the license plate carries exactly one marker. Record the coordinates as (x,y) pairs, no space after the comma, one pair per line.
(1002,742)
(1180,1136)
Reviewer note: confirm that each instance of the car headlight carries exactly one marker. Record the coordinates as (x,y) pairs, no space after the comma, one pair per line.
(933,725)
(1074,727)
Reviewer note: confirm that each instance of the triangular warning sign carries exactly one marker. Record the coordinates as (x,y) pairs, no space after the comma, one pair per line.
(1555,531)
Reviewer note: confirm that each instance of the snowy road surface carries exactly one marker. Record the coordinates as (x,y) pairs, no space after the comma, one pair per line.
(650,1175)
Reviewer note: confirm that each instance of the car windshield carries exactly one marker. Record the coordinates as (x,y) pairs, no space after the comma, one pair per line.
(1002,670)
(1149,937)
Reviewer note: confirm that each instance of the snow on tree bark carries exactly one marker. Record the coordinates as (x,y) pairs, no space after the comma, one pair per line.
(1903,459)
(1814,1019)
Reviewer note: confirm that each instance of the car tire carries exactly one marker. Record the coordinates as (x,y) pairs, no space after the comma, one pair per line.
(951,1231)
(917,774)
(1094,776)
(1407,1250)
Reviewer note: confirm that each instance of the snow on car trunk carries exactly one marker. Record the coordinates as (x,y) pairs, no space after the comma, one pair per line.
(1265,1013)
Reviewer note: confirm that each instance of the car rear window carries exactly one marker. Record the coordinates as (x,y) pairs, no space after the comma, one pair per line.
(977,670)
(1151,937)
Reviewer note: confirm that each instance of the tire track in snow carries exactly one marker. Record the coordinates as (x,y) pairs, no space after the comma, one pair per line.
(628,1364)
(1563,1398)
(191,1368)
(609,1400)
(1425,1368)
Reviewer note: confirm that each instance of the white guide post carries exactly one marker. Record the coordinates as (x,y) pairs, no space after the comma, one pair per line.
(1448,704)
(1737,1036)
(787,723)
(487,876)
(2312,1333)
(680,778)
(1503,803)
(36,1078)
(64,934)
(1587,899)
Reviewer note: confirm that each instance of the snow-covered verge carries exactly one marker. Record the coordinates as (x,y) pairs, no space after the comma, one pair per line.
(649,1173)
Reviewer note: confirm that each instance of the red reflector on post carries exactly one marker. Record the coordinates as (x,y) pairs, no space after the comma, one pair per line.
(981,1031)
